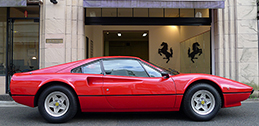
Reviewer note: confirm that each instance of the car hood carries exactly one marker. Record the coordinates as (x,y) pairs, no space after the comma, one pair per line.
(226,85)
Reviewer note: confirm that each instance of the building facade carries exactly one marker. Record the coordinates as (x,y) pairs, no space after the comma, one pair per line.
(218,37)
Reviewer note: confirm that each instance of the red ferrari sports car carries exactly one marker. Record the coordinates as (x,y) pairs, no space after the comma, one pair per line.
(123,84)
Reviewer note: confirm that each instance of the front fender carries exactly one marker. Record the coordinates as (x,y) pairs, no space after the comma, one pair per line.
(183,81)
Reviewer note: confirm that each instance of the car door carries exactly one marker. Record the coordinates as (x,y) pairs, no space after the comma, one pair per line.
(127,85)
(89,81)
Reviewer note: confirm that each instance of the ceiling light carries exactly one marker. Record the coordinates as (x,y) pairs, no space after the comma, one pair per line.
(144,34)
(119,34)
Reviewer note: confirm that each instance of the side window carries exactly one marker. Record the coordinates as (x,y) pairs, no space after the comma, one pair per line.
(124,67)
(92,68)
(151,71)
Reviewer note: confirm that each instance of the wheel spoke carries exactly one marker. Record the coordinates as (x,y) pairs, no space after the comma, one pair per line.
(56,109)
(196,99)
(208,101)
(54,98)
(63,107)
(198,107)
(62,100)
(203,95)
(205,108)
(51,104)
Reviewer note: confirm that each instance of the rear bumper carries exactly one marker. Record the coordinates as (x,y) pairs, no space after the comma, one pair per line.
(27,100)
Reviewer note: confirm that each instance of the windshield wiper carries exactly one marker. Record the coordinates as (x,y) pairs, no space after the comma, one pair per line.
(173,71)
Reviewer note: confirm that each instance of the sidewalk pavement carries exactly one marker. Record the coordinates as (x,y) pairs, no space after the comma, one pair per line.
(5,97)
(254,96)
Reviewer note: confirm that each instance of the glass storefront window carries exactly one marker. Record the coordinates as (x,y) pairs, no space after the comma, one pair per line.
(24,12)
(140,12)
(3,16)
(202,13)
(93,12)
(125,12)
(156,12)
(186,12)
(25,45)
(171,12)
(109,12)
(147,12)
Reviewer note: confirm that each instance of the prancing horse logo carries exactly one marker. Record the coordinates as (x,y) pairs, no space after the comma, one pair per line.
(195,50)
(164,51)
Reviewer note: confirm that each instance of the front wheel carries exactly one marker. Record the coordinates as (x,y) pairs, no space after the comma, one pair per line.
(57,104)
(201,102)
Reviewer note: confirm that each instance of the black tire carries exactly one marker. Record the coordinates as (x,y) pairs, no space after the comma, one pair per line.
(57,104)
(201,102)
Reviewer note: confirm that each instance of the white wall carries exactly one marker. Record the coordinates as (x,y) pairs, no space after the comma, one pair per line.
(236,41)
(172,35)
(2,85)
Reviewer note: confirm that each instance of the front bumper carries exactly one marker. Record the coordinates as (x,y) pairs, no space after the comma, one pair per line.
(252,91)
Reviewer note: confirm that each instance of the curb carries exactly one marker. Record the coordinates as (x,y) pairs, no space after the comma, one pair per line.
(6,97)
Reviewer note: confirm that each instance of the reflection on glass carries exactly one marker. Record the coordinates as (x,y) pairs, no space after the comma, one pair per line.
(152,72)
(109,12)
(25,46)
(156,12)
(124,12)
(3,40)
(171,12)
(93,68)
(24,12)
(93,12)
(140,12)
(146,12)
(186,12)
(202,13)
(124,67)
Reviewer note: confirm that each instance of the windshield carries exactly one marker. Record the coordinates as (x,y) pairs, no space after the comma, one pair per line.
(169,70)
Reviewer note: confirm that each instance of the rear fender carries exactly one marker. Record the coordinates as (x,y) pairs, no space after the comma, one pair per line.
(48,83)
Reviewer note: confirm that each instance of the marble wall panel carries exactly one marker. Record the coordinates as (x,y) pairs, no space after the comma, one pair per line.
(246,12)
(248,55)
(247,26)
(55,55)
(247,40)
(54,26)
(248,73)
(246,2)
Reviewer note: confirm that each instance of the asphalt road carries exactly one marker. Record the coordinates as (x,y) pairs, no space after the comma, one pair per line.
(245,115)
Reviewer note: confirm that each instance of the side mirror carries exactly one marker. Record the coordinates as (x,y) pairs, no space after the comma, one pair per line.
(165,74)
(108,71)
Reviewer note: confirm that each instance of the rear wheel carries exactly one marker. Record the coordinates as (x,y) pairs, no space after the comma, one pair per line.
(201,102)
(57,104)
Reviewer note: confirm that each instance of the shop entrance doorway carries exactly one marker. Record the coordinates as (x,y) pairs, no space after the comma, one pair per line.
(126,43)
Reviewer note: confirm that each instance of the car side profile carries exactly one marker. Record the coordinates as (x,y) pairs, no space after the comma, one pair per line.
(123,84)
